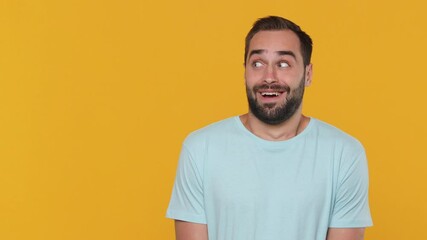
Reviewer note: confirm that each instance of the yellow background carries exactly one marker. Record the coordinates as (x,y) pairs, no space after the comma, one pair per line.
(97,96)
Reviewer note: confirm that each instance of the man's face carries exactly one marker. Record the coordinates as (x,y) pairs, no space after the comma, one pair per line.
(275,76)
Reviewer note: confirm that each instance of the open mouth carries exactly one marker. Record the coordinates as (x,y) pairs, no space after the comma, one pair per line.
(270,94)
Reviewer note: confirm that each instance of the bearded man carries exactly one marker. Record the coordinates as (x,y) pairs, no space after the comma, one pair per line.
(272,173)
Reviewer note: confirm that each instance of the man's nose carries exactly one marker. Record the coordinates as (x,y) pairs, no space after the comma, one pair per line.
(270,75)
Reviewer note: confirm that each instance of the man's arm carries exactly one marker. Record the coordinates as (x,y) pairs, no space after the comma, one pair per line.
(190,231)
(346,234)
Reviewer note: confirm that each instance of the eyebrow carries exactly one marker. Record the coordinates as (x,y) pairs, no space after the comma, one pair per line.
(280,53)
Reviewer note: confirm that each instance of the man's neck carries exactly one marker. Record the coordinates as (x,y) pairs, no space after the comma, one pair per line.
(283,131)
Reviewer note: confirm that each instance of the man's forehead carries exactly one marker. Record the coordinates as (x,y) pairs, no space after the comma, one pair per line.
(275,41)
(283,37)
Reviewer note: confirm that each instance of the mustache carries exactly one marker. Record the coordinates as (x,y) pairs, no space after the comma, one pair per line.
(274,86)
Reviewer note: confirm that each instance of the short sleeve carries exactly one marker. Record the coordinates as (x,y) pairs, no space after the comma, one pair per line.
(351,206)
(187,202)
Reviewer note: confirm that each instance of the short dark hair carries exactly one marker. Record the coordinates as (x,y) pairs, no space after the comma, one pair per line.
(278,23)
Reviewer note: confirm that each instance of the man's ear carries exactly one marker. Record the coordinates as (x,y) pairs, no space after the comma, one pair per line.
(308,74)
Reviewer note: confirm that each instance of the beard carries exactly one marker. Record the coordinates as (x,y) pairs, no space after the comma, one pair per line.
(275,113)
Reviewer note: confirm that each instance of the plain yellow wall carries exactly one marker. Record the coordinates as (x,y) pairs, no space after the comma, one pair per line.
(97,96)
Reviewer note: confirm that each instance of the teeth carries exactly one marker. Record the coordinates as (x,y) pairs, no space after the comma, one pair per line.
(270,94)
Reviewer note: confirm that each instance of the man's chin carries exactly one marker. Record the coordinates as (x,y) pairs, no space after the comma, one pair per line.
(271,120)
(269,106)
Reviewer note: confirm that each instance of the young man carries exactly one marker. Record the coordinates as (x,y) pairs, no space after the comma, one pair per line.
(273,173)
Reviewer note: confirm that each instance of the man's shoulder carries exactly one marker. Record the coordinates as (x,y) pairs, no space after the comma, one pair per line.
(330,133)
(212,131)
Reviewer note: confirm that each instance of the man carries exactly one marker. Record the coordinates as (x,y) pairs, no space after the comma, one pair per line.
(273,173)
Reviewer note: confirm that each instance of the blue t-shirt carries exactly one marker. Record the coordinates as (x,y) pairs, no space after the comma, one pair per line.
(244,187)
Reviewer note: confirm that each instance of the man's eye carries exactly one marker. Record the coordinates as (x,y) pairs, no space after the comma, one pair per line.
(257,64)
(283,64)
